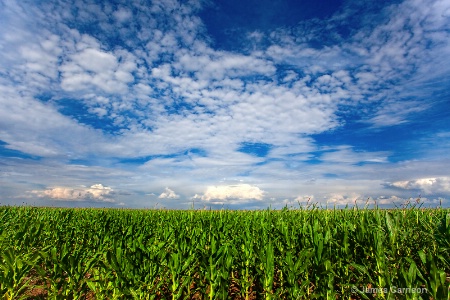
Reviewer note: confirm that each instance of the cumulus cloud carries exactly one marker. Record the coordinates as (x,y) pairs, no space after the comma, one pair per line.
(94,68)
(168,194)
(305,198)
(389,200)
(427,186)
(122,14)
(96,192)
(299,201)
(343,199)
(233,193)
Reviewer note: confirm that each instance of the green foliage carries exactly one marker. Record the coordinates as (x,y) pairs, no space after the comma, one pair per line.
(289,254)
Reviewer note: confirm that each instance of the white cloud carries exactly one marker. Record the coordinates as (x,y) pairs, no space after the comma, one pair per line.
(344,199)
(389,200)
(122,14)
(224,106)
(39,129)
(93,67)
(232,193)
(95,60)
(438,185)
(305,198)
(168,194)
(298,202)
(96,192)
(394,113)
(390,64)
(345,154)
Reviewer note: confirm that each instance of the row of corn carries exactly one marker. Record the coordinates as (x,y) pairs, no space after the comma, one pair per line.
(50,253)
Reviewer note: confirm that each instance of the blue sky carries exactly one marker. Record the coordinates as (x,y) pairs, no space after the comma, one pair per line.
(236,104)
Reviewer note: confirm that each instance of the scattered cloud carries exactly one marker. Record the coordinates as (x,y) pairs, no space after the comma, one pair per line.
(345,154)
(427,186)
(232,193)
(96,192)
(343,199)
(305,199)
(168,194)
(389,200)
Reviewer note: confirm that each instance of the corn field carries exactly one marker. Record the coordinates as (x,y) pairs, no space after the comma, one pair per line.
(54,253)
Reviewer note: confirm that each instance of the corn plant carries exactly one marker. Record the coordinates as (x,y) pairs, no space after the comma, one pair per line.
(306,253)
(246,265)
(66,269)
(436,278)
(14,270)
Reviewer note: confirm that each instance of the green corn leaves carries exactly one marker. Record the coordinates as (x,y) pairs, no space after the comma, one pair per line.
(290,254)
(14,270)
